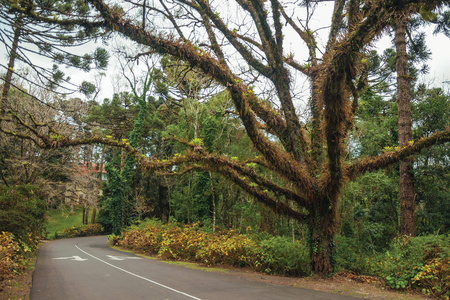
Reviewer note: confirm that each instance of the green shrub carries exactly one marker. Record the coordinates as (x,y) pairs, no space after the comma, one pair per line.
(9,252)
(23,214)
(273,255)
(79,231)
(227,247)
(350,256)
(180,242)
(113,239)
(434,278)
(280,255)
(419,262)
(13,257)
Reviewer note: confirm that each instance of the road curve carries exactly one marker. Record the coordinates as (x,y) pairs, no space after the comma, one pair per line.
(85,268)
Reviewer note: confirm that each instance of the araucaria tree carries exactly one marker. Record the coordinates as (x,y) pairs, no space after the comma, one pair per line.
(245,45)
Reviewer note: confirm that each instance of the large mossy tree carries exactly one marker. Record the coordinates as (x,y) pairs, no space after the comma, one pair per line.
(245,49)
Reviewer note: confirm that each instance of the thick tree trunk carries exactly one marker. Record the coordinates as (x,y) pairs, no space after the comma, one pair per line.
(321,247)
(407,198)
(322,230)
(10,70)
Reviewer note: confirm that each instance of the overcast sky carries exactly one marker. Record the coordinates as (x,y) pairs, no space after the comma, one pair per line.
(438,44)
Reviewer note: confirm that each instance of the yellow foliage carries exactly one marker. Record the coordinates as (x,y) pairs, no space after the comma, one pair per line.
(9,250)
(189,242)
(434,277)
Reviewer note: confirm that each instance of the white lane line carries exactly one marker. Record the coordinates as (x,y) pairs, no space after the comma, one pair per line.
(138,276)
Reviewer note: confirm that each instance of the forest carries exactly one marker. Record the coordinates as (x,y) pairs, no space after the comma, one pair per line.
(281,124)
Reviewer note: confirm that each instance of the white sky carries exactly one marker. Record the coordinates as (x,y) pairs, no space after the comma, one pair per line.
(439,63)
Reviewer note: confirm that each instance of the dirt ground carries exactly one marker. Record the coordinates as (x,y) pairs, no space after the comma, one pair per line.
(342,283)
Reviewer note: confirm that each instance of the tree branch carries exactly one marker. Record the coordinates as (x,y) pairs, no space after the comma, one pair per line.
(245,177)
(210,66)
(390,158)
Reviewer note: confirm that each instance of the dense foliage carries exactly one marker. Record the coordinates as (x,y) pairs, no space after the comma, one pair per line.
(421,263)
(22,213)
(10,258)
(273,255)
(79,231)
(22,225)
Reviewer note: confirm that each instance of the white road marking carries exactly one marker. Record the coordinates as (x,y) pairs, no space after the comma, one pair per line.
(75,258)
(138,276)
(122,257)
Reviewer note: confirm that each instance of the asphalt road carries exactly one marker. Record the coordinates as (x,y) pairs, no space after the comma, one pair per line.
(85,268)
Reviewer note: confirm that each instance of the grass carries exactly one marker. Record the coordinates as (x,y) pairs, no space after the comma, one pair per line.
(195,266)
(60,218)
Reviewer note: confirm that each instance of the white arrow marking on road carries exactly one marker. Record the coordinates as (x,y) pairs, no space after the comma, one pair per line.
(75,258)
(121,257)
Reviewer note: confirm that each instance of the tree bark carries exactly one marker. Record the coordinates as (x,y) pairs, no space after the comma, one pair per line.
(322,229)
(10,70)
(213,202)
(407,196)
(94,214)
(83,214)
(321,247)
(102,159)
(86,218)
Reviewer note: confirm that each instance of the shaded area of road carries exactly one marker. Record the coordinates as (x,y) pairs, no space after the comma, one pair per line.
(85,268)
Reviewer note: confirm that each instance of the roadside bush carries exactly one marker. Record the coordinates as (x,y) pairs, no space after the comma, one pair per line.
(78,231)
(434,278)
(23,214)
(280,255)
(350,256)
(180,242)
(9,255)
(227,248)
(147,240)
(419,262)
(273,255)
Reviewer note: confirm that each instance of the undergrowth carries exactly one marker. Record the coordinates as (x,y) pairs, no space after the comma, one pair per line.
(421,263)
(79,231)
(274,255)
